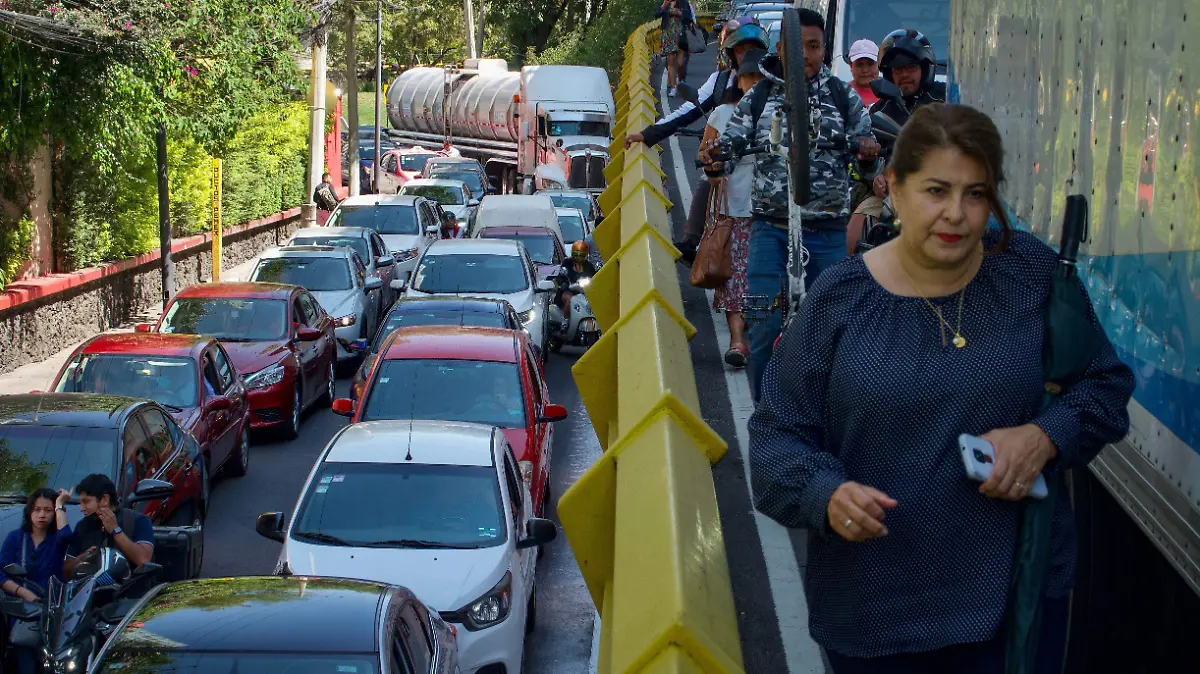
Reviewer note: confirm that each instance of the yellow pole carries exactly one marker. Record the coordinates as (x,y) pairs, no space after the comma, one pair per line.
(216,220)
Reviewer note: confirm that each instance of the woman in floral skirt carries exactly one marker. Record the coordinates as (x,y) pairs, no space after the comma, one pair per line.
(675,15)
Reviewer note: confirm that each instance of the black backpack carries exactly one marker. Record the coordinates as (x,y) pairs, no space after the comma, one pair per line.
(761,91)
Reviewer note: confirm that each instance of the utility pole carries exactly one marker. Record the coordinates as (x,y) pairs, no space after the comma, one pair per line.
(352,99)
(316,149)
(164,215)
(469,17)
(378,90)
(479,27)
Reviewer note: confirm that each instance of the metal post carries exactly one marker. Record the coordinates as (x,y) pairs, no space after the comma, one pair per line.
(352,100)
(378,91)
(216,220)
(479,27)
(469,18)
(164,216)
(316,150)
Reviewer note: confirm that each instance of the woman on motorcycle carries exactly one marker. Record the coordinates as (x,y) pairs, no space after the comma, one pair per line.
(40,545)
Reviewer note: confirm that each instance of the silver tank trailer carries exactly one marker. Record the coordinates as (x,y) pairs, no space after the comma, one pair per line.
(483,105)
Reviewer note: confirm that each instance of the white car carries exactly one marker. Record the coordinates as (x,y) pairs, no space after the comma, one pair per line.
(337,278)
(407,224)
(454,196)
(457,528)
(493,268)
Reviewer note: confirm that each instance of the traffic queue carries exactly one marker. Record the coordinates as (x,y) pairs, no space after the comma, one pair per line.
(444,303)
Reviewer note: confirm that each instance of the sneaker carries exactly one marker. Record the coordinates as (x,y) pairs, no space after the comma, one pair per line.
(673,93)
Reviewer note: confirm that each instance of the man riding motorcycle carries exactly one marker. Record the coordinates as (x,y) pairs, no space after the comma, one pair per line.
(579,268)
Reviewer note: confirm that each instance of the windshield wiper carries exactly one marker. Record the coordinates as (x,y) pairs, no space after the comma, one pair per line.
(321,538)
(415,543)
(173,408)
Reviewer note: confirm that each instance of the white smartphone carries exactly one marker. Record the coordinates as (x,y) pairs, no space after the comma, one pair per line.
(979,456)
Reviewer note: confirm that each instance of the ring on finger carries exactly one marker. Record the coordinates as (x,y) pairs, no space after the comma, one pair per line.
(848,523)
(1021,486)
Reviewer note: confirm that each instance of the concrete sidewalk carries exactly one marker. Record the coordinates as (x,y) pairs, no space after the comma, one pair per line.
(39,376)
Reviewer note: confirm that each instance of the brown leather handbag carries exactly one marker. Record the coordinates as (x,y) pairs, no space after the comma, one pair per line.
(713,266)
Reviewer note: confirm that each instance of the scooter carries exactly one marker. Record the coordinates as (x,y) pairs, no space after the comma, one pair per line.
(581,329)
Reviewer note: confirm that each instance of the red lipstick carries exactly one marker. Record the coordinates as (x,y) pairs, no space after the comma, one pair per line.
(950,238)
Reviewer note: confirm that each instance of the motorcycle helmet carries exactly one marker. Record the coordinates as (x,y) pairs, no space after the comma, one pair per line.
(579,251)
(735,32)
(110,567)
(907,47)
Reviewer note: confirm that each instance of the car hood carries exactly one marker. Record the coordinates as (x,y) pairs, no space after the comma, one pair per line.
(338,303)
(401,242)
(459,210)
(444,579)
(250,357)
(520,301)
(518,438)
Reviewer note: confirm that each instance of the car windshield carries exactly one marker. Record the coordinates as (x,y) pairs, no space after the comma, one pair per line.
(170,381)
(418,317)
(414,162)
(143,653)
(313,273)
(471,178)
(572,228)
(393,219)
(428,505)
(446,195)
(355,243)
(576,128)
(34,456)
(540,246)
(874,19)
(474,391)
(571,201)
(229,319)
(471,274)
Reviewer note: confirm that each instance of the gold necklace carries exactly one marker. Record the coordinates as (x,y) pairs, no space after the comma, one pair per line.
(959,341)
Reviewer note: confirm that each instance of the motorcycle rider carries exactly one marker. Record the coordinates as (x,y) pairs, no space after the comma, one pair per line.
(835,109)
(105,525)
(738,36)
(579,268)
(450,228)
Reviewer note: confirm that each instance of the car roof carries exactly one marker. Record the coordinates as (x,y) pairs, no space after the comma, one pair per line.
(148,344)
(65,409)
(339,252)
(380,200)
(259,613)
(456,160)
(475,247)
(443,443)
(452,342)
(241,289)
(362,232)
(437,182)
(477,305)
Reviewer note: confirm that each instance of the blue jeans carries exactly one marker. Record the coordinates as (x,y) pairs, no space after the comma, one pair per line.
(766,270)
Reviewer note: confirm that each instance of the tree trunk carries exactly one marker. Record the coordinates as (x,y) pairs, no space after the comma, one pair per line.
(164,216)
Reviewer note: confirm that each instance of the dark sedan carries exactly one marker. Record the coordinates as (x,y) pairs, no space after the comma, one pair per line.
(55,439)
(281,624)
(413,311)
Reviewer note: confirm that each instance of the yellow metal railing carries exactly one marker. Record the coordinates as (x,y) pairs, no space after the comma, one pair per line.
(643,521)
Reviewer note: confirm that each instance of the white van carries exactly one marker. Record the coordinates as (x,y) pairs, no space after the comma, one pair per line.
(516,210)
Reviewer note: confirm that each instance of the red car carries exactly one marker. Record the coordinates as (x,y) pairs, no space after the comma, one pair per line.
(480,375)
(190,376)
(278,337)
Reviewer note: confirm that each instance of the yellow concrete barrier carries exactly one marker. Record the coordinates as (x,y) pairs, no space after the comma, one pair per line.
(647,537)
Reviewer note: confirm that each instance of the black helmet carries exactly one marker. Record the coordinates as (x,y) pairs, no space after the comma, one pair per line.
(908,47)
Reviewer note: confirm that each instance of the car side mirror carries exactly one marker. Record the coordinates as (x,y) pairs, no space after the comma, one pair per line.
(473,203)
(270,525)
(373,283)
(150,490)
(144,327)
(552,413)
(540,532)
(359,344)
(385,261)
(431,230)
(544,286)
(307,334)
(15,570)
(343,407)
(886,89)
(219,404)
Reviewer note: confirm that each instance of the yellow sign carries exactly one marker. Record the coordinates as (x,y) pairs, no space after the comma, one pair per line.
(216,220)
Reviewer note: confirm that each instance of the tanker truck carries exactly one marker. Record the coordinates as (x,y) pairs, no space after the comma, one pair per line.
(540,127)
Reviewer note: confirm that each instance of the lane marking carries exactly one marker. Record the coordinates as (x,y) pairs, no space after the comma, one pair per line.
(594,660)
(801,653)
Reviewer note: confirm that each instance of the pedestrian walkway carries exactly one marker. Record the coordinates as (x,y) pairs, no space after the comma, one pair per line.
(38,376)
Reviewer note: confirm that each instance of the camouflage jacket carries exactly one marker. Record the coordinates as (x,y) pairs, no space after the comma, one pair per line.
(829,181)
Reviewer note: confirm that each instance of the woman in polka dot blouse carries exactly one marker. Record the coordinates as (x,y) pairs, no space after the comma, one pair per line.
(893,355)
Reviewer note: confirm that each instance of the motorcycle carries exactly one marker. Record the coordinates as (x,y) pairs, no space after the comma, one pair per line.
(877,231)
(581,329)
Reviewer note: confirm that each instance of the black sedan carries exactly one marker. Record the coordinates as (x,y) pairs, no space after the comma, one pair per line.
(413,311)
(281,624)
(55,439)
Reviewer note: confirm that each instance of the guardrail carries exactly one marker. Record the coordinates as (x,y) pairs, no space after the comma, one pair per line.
(643,521)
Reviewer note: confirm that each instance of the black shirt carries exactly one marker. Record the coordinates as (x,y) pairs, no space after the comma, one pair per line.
(901,110)
(90,533)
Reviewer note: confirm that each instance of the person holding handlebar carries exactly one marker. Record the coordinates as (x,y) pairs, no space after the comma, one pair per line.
(836,114)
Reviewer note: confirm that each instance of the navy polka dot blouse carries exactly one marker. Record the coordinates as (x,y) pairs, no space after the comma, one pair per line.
(862,388)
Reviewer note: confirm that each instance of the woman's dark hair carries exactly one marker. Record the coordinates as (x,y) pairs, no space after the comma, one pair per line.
(942,125)
(43,493)
(98,484)
(811,18)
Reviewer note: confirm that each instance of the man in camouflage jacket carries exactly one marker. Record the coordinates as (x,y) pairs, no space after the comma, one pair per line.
(835,110)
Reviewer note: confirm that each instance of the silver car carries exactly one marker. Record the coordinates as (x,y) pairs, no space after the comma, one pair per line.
(369,246)
(493,268)
(454,196)
(406,223)
(581,199)
(337,278)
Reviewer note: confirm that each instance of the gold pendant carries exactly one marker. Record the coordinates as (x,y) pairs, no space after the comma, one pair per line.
(959,341)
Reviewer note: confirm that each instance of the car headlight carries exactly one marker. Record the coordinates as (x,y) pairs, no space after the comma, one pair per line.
(268,376)
(346,321)
(490,609)
(528,317)
(585,281)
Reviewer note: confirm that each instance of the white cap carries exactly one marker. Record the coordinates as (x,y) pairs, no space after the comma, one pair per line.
(864,49)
